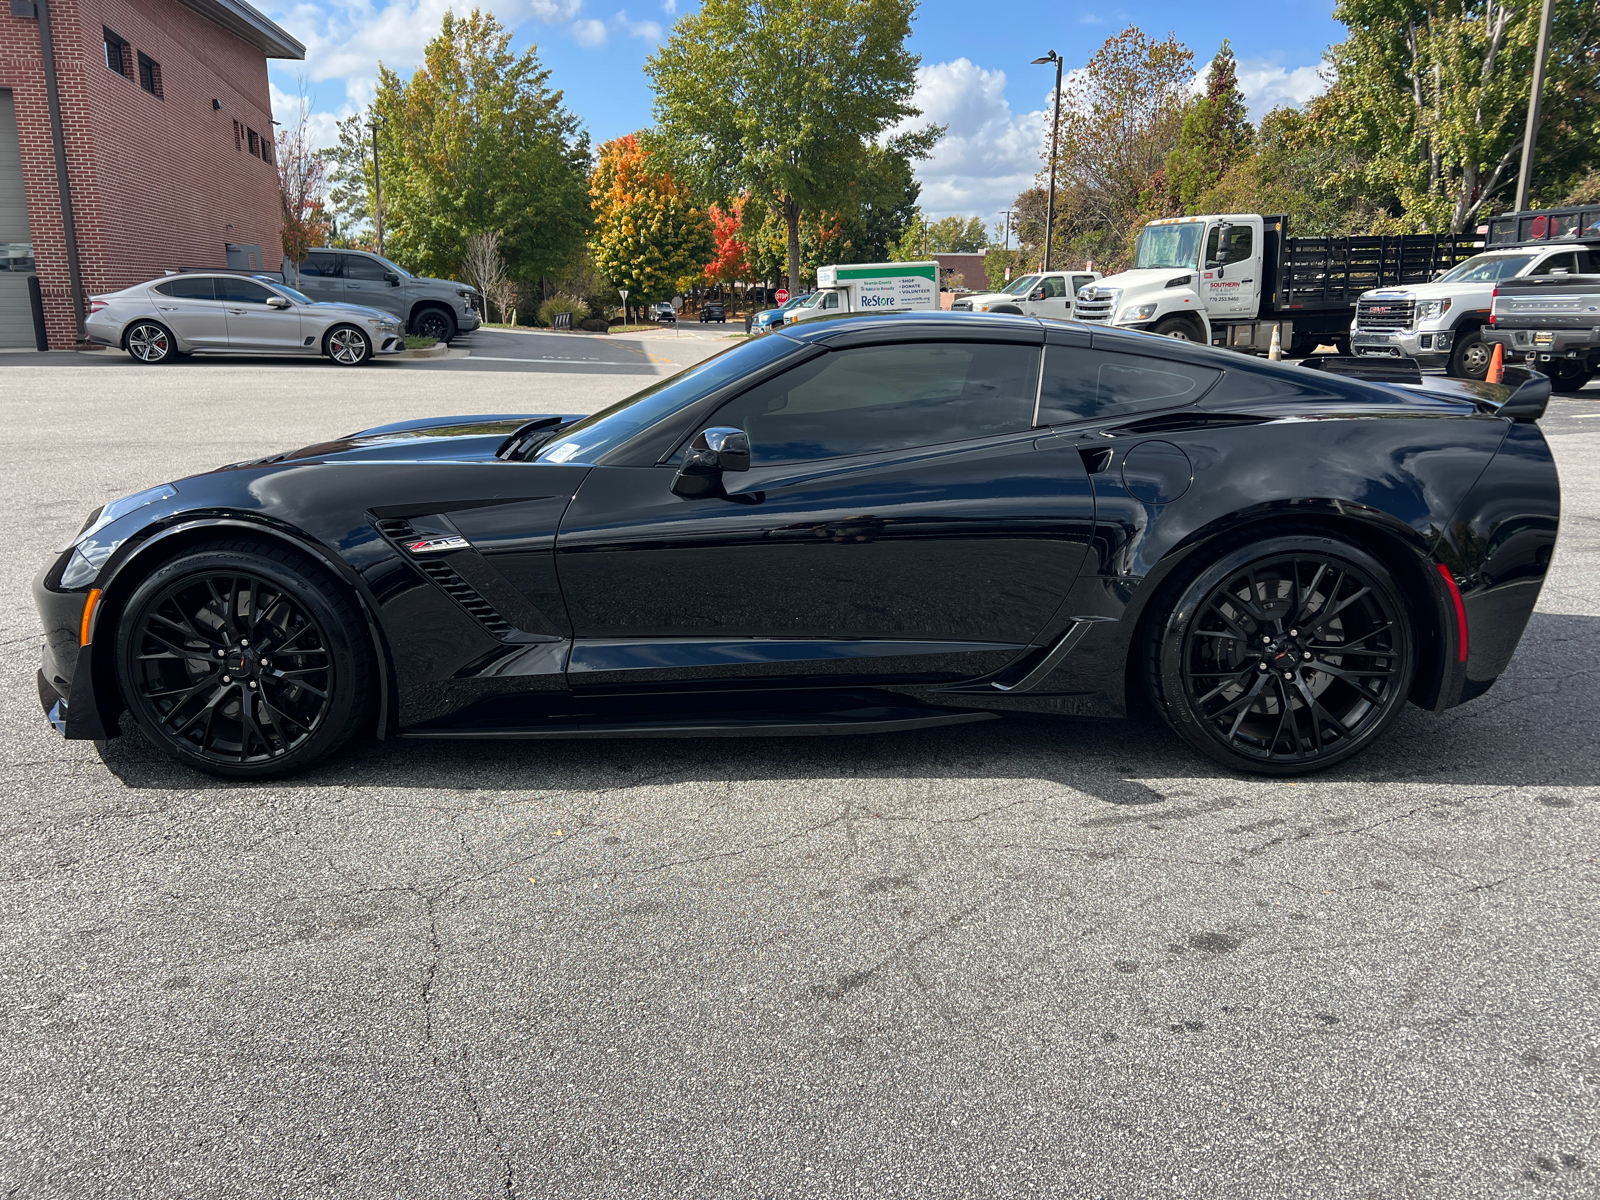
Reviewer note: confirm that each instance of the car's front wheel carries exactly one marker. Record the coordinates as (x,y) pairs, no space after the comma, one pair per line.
(1282,656)
(1470,357)
(150,342)
(434,323)
(348,346)
(1568,376)
(243,660)
(1180,328)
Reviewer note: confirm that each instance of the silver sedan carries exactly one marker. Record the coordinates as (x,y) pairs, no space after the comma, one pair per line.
(223,313)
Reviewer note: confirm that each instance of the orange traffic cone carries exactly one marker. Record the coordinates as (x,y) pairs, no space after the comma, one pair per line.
(1497,366)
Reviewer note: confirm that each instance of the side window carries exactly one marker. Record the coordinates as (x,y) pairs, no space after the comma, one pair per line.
(887,398)
(832,300)
(358,266)
(1557,264)
(1083,385)
(1055,288)
(233,290)
(189,287)
(324,265)
(1236,245)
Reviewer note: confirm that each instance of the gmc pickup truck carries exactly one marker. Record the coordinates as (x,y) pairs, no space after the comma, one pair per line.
(1551,322)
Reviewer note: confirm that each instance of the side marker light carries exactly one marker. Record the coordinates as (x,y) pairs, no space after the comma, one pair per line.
(87,623)
(1461,611)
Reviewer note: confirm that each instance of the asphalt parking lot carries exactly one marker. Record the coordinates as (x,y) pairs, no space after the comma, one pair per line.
(1031,957)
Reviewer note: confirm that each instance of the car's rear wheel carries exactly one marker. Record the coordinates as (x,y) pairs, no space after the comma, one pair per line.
(347,346)
(243,660)
(434,323)
(1469,359)
(1283,656)
(150,342)
(1568,376)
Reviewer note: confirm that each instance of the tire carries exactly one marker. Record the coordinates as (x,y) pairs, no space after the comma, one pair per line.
(1469,357)
(1568,376)
(244,660)
(1341,346)
(149,342)
(435,323)
(1180,328)
(1302,347)
(1263,686)
(347,346)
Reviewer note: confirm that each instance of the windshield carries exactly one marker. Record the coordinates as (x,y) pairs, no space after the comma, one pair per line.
(1169,245)
(297,297)
(1486,268)
(395,267)
(1020,286)
(811,301)
(592,437)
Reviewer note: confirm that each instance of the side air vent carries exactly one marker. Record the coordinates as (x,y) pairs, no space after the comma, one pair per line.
(461,592)
(399,530)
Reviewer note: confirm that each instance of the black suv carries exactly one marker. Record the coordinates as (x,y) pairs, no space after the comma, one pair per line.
(712,310)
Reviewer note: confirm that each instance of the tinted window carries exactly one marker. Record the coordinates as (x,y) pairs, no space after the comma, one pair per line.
(241,291)
(188,287)
(1079,282)
(887,398)
(1230,247)
(358,267)
(1055,288)
(1082,385)
(325,265)
(1567,262)
(589,439)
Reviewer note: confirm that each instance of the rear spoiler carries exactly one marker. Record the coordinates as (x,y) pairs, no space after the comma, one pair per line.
(1522,393)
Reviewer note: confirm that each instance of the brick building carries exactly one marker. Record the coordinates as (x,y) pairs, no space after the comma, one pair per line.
(165,125)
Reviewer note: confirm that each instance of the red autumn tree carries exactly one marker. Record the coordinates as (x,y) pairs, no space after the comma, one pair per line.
(732,260)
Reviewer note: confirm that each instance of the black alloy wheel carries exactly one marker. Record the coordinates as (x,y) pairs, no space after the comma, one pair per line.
(434,323)
(241,661)
(1285,657)
(150,342)
(348,346)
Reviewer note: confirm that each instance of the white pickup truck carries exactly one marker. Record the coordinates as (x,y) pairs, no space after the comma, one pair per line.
(1040,294)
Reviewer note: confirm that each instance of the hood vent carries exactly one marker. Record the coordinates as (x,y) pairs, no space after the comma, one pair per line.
(442,573)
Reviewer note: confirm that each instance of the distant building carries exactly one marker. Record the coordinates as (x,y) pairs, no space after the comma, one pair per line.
(965,268)
(164,120)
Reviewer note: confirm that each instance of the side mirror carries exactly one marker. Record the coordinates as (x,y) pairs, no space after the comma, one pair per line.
(1036,294)
(712,452)
(392,278)
(277,302)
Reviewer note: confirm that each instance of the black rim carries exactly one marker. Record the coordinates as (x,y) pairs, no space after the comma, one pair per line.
(232,667)
(434,325)
(1293,658)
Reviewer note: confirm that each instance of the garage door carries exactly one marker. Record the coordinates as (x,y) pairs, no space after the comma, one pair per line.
(16,249)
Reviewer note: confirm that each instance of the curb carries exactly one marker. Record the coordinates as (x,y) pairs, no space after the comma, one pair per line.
(437,350)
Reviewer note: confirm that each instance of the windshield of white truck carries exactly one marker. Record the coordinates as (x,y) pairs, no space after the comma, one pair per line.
(1168,246)
(1486,268)
(1021,286)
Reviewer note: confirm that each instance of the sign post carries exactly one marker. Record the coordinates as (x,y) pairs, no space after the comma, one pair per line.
(624,294)
(781,295)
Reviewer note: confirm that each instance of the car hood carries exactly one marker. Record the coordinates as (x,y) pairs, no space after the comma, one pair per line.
(360,310)
(451,439)
(445,283)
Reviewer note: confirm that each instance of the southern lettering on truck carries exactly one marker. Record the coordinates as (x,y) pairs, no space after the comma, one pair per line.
(871,288)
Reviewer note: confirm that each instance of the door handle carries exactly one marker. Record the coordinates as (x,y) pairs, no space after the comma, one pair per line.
(236,312)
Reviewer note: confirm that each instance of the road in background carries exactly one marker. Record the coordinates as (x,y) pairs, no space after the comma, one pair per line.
(1029,957)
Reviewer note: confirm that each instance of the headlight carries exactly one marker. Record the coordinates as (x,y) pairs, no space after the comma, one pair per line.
(980,308)
(90,552)
(1138,312)
(1432,310)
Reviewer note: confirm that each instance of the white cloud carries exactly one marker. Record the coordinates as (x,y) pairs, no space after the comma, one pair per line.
(589,32)
(1089,19)
(669,6)
(650,31)
(1266,85)
(989,154)
(323,126)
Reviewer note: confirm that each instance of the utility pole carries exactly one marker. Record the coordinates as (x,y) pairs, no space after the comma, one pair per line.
(1540,58)
(1006,213)
(377,179)
(1055,128)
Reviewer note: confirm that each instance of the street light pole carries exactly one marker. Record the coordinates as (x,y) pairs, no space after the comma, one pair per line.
(377,178)
(1541,56)
(1055,128)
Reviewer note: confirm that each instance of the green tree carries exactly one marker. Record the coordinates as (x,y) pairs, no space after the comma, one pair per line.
(1435,95)
(475,141)
(648,234)
(783,100)
(948,235)
(1216,134)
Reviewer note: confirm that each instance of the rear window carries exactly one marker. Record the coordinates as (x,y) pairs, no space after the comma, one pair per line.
(188,287)
(1085,385)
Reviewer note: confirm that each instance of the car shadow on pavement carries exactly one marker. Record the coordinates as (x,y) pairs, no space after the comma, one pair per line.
(1536,727)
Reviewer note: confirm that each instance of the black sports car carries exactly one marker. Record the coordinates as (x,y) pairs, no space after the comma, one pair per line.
(856,525)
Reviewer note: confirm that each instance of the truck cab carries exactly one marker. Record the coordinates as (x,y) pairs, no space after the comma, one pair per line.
(1038,294)
(1443,323)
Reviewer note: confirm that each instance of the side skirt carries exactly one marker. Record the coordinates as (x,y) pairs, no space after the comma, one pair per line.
(883,719)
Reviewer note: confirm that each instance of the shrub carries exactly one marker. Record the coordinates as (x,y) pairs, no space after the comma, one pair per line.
(593,325)
(562,303)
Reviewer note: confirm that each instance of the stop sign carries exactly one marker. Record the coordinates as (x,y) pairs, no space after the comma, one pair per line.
(781,295)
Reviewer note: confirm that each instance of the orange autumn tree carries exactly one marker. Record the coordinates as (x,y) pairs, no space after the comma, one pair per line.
(648,233)
(731,261)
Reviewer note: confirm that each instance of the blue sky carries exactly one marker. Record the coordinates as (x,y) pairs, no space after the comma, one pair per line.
(975,75)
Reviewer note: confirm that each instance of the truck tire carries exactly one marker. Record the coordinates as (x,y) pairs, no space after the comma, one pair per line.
(435,322)
(1568,376)
(1008,310)
(1470,357)
(1302,345)
(1181,328)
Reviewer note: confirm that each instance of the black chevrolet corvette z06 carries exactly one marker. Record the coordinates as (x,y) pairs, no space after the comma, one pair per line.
(857,525)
